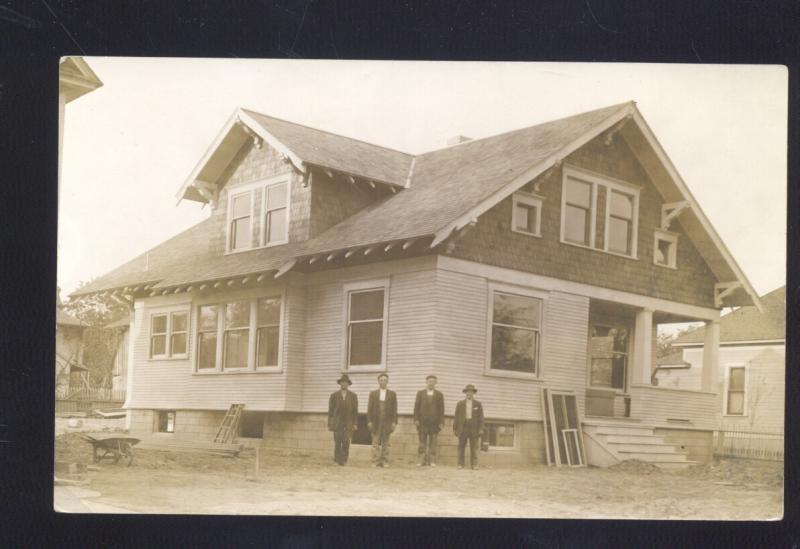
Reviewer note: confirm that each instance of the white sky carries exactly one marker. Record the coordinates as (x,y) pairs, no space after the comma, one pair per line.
(129,145)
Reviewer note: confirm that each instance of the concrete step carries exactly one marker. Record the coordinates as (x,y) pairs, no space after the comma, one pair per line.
(644,448)
(653,457)
(633,439)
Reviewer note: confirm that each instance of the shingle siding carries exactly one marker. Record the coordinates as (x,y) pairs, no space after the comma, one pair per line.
(492,242)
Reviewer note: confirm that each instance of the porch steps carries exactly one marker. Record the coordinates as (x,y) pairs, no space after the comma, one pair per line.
(610,442)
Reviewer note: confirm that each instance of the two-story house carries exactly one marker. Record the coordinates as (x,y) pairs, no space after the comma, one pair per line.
(541,257)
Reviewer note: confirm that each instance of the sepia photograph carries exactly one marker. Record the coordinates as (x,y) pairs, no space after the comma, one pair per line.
(421,289)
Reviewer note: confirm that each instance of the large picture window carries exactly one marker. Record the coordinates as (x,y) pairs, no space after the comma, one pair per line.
(735,397)
(515,332)
(609,349)
(579,223)
(249,331)
(168,333)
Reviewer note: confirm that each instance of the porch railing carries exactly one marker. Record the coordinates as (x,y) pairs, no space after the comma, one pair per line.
(749,444)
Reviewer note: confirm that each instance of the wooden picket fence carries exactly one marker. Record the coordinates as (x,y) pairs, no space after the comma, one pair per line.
(749,444)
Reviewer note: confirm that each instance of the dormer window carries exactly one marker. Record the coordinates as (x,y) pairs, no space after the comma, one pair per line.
(258,214)
(276,218)
(240,233)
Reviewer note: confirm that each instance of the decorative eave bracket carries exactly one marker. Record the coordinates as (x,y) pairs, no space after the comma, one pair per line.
(723,290)
(207,190)
(671,210)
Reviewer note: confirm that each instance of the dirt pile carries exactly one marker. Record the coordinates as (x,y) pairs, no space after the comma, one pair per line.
(635,466)
(739,472)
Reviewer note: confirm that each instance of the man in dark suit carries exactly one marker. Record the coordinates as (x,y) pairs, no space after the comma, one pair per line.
(429,419)
(468,426)
(342,417)
(381,420)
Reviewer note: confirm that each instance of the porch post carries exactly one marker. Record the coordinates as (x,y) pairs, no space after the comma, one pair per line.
(643,348)
(133,336)
(711,356)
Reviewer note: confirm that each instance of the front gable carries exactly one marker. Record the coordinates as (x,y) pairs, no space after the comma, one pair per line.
(494,240)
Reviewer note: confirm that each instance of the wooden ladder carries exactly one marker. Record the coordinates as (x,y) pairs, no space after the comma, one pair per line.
(230,423)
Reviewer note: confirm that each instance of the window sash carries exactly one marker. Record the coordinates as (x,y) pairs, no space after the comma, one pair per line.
(240,227)
(163,343)
(521,355)
(368,347)
(500,435)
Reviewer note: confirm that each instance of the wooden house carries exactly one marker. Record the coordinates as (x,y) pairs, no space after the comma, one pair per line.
(544,257)
(752,365)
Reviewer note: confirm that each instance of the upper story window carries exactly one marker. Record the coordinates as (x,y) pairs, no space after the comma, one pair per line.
(367,305)
(240,335)
(515,333)
(247,228)
(665,249)
(620,201)
(168,334)
(240,233)
(526,215)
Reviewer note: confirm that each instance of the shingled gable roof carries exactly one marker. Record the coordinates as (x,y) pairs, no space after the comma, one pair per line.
(747,323)
(446,189)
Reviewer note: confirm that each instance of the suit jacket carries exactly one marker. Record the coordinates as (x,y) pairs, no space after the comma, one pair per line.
(437,416)
(373,412)
(477,416)
(342,412)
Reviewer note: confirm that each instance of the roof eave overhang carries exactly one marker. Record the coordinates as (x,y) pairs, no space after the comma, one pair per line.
(76,85)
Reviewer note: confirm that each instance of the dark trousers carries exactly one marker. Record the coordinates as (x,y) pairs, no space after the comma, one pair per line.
(468,433)
(341,445)
(428,438)
(381,443)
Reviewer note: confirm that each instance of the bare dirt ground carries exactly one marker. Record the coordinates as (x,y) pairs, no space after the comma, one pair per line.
(298,484)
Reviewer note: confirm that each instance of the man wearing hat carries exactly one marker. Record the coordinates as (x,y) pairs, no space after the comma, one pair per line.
(381,420)
(429,419)
(342,417)
(468,425)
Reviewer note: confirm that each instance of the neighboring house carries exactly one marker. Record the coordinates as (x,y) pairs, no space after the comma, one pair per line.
(752,365)
(672,371)
(541,257)
(70,372)
(75,79)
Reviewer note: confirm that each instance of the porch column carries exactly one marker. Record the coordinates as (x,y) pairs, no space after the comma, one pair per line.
(711,356)
(133,337)
(642,348)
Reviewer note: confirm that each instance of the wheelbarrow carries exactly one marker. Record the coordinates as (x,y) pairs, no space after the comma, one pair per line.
(113,447)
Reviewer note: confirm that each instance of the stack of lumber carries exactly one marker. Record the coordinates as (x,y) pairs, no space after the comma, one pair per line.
(193,446)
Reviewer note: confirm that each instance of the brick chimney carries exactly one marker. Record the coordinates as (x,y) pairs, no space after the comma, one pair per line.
(457,139)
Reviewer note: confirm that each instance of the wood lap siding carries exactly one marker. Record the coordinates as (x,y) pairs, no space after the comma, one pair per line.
(461,343)
(654,406)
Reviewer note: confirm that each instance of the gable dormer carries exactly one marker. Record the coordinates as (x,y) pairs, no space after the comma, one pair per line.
(263,193)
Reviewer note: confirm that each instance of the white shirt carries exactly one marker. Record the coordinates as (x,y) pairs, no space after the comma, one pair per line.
(430,392)
(468,410)
(383,394)
(344,395)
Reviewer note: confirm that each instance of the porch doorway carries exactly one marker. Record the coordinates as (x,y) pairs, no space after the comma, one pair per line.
(610,344)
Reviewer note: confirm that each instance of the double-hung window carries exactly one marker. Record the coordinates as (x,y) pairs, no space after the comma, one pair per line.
(583,193)
(275,213)
(735,394)
(241,335)
(366,314)
(240,232)
(515,332)
(168,333)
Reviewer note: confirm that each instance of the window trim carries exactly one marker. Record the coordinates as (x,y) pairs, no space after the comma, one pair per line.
(356,287)
(725,395)
(672,260)
(262,233)
(504,449)
(522,292)
(168,311)
(253,332)
(531,200)
(251,187)
(595,180)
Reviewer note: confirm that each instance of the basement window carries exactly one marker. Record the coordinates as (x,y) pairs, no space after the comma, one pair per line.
(500,435)
(165,421)
(665,249)
(252,425)
(361,434)
(526,217)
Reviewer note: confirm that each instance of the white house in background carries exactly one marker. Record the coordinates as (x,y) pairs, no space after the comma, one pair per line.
(752,362)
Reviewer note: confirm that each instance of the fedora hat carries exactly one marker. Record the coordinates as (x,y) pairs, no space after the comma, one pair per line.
(346,378)
(469,387)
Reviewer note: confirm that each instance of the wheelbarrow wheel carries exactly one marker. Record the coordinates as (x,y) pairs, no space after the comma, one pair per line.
(127,452)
